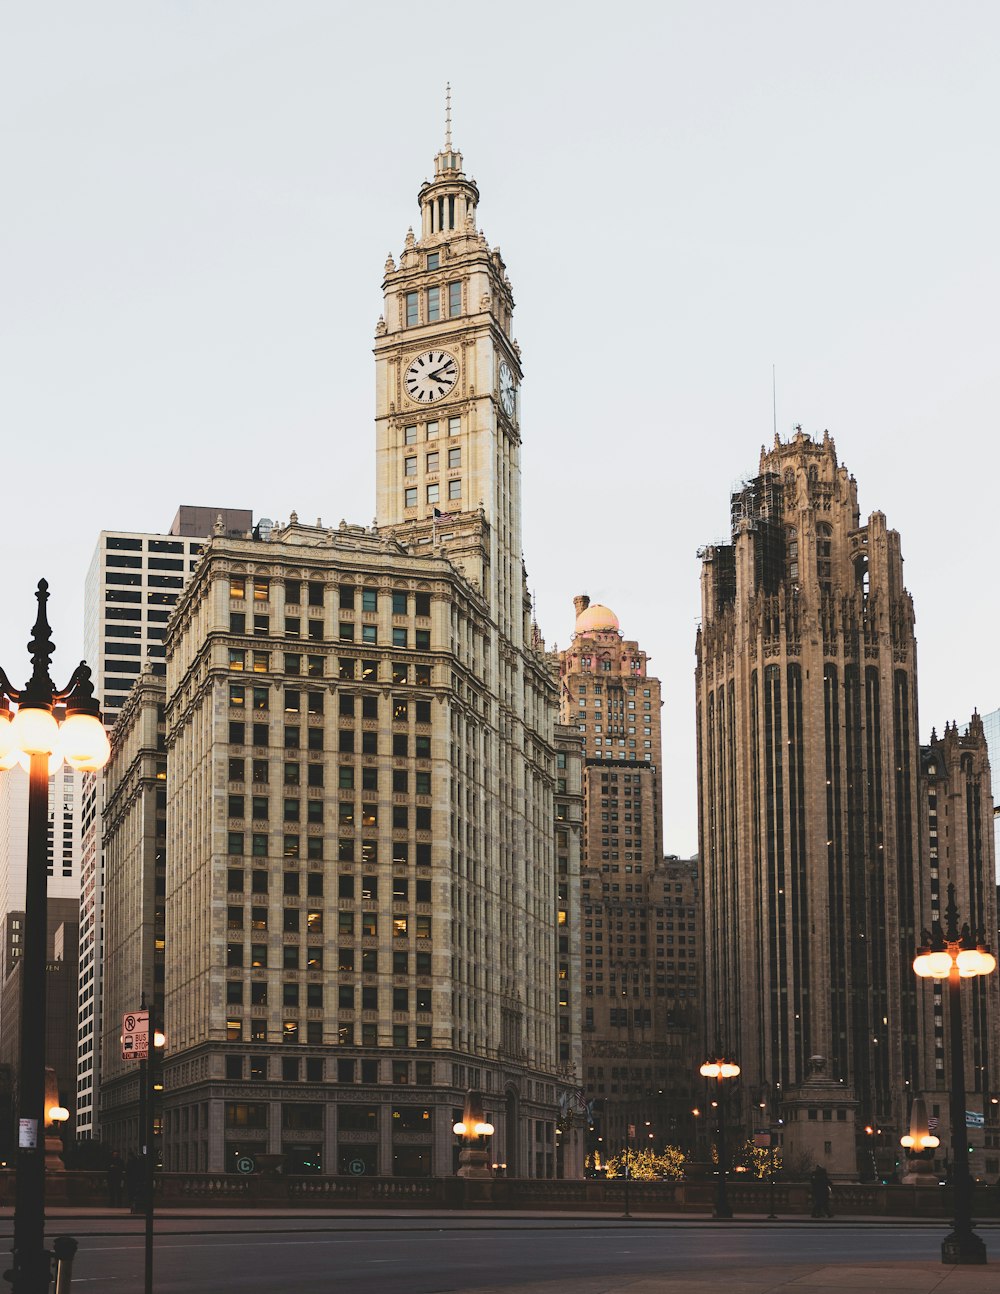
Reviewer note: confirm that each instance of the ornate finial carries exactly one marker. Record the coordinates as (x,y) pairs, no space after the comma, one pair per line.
(40,686)
(447,117)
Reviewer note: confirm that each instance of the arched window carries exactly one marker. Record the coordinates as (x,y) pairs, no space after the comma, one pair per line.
(792,554)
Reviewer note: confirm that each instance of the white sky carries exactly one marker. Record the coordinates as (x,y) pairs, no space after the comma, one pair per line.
(198,199)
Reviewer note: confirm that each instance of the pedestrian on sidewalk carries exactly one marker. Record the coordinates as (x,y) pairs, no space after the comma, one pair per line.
(819,1184)
(116,1179)
(133,1182)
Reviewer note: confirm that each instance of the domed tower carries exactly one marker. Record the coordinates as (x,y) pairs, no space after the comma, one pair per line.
(630,989)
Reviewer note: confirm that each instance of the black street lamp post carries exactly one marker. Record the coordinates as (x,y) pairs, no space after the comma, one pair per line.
(39,739)
(721,1070)
(956,955)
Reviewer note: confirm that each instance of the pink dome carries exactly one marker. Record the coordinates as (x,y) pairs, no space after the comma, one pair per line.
(597,619)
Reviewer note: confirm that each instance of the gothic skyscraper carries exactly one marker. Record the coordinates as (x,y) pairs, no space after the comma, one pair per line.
(809,810)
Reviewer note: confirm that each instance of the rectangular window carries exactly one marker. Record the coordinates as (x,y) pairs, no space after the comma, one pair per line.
(399,637)
(433,305)
(237,622)
(238,657)
(454,426)
(432,431)
(454,299)
(433,260)
(455,457)
(433,494)
(432,461)
(410,435)
(412,317)
(409,501)
(261,662)
(315,593)
(455,489)
(293,591)
(409,469)
(293,663)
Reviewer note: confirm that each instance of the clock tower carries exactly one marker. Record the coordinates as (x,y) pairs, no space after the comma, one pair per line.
(448,396)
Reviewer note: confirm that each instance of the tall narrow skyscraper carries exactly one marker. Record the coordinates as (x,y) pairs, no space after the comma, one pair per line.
(133,583)
(808,766)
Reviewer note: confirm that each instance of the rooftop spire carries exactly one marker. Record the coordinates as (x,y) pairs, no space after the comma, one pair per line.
(447,117)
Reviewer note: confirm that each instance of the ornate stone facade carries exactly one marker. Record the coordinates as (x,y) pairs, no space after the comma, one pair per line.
(367,883)
(808,763)
(956,820)
(637,913)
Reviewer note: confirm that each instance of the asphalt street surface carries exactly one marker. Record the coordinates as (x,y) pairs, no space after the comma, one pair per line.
(431,1256)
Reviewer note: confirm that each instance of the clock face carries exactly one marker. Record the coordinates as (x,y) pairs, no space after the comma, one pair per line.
(431,376)
(508,390)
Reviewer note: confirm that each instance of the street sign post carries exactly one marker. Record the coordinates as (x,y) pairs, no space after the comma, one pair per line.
(135,1035)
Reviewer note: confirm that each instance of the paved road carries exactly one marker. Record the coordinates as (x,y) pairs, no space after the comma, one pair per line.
(427,1256)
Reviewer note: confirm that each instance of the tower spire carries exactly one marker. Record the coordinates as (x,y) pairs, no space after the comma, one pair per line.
(447,117)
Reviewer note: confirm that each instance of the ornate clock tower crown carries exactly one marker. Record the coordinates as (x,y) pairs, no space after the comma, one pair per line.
(448,375)
(449,201)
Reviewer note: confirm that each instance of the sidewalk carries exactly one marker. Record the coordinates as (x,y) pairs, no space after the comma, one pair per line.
(795,1278)
(501,1217)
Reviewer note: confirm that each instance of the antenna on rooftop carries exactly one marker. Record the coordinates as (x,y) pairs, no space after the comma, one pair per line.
(447,117)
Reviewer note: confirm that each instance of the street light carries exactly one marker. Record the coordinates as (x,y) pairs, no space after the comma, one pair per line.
(39,739)
(473,1159)
(956,955)
(721,1070)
